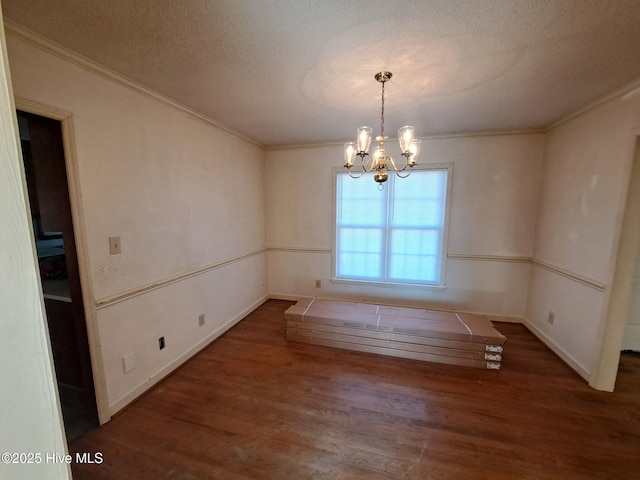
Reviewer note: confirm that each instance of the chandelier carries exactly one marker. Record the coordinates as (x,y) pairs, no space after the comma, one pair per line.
(380,162)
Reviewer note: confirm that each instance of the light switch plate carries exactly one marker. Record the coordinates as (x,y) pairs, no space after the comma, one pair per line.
(114,245)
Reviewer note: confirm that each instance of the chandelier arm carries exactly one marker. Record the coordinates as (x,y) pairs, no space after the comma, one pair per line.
(404,176)
(352,175)
(393,164)
(405,167)
(368,165)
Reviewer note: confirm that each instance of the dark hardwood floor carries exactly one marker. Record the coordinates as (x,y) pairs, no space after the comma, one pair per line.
(254,406)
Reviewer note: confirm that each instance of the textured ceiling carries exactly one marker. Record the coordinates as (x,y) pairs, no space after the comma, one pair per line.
(285,72)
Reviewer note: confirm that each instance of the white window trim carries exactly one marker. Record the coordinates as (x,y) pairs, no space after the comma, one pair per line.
(445,233)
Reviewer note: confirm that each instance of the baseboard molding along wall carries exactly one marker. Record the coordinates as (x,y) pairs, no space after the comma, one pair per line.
(132,395)
(566,357)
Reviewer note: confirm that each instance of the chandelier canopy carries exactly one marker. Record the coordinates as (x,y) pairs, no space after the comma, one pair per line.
(380,162)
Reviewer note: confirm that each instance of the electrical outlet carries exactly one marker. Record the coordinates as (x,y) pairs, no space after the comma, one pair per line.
(551,318)
(115,247)
(161,343)
(201,319)
(318,283)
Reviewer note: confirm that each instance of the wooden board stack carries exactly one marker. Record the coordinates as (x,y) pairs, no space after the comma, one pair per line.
(442,337)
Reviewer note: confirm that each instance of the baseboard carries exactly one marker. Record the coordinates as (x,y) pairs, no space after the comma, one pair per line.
(136,392)
(566,357)
(503,318)
(284,296)
(133,394)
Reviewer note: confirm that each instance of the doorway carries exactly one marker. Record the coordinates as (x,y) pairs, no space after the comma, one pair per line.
(630,354)
(631,339)
(48,190)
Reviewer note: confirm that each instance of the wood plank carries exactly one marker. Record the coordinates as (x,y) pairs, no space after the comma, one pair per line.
(296,333)
(373,329)
(425,357)
(253,405)
(428,323)
(419,340)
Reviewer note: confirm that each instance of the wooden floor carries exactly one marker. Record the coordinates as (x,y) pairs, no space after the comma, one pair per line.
(254,406)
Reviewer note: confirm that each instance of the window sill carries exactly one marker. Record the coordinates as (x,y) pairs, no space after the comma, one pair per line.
(404,286)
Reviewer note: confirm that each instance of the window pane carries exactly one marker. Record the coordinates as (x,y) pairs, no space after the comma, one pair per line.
(415,255)
(368,240)
(360,266)
(360,203)
(415,268)
(416,241)
(428,213)
(359,253)
(419,200)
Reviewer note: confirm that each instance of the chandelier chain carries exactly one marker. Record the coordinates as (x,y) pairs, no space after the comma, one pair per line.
(382,115)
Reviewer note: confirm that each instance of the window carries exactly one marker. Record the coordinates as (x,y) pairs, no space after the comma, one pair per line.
(397,235)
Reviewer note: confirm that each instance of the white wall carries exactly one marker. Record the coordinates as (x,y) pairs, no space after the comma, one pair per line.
(493,212)
(585,175)
(187,200)
(30,417)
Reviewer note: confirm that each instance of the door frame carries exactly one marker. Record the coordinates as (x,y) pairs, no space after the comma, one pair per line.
(70,157)
(616,314)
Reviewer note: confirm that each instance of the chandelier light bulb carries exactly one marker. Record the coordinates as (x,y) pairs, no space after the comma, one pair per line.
(414,151)
(364,139)
(405,137)
(378,157)
(350,152)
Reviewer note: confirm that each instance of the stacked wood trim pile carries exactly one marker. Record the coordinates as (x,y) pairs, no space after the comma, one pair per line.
(433,336)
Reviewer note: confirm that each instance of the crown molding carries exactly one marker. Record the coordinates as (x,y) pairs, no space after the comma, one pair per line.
(624,93)
(19,32)
(485,133)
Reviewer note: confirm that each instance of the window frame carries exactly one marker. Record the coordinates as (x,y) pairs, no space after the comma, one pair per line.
(445,232)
